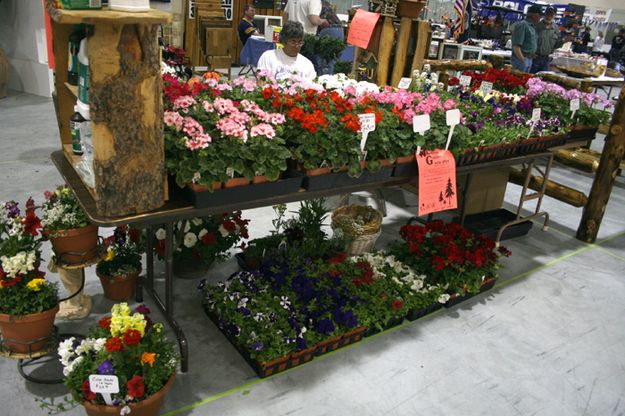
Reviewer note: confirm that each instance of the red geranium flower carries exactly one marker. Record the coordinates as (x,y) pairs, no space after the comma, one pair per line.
(229,226)
(339,258)
(209,239)
(136,388)
(113,344)
(86,391)
(397,304)
(132,337)
(105,323)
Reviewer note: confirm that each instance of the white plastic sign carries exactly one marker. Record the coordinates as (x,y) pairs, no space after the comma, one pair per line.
(105,385)
(486,87)
(230,172)
(465,80)
(574,107)
(421,123)
(367,124)
(404,83)
(535,115)
(453,118)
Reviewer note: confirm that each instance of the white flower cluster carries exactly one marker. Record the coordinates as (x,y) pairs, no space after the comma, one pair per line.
(15,226)
(71,357)
(342,83)
(58,214)
(21,263)
(166,69)
(403,275)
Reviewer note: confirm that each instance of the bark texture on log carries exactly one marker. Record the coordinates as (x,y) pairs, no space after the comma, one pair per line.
(401,50)
(609,165)
(424,36)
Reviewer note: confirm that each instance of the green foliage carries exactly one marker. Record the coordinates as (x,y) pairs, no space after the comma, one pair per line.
(343,67)
(327,47)
(123,253)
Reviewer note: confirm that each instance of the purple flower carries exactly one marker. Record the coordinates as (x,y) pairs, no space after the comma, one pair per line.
(234,329)
(257,346)
(244,311)
(300,343)
(106,368)
(12,208)
(142,309)
(325,327)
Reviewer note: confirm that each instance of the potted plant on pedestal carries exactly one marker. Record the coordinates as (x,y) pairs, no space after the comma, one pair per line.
(74,238)
(120,267)
(28,302)
(125,347)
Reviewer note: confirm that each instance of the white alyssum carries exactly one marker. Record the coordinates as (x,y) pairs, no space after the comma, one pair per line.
(21,263)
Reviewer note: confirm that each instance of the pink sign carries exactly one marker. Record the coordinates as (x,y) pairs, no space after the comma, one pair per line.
(437,181)
(361,28)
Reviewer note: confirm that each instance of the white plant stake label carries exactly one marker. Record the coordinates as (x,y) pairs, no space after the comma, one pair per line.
(453,118)
(404,83)
(367,124)
(465,80)
(230,172)
(574,107)
(421,123)
(105,385)
(486,87)
(535,117)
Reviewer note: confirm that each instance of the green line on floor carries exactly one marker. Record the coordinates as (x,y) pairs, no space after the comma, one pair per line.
(236,389)
(608,252)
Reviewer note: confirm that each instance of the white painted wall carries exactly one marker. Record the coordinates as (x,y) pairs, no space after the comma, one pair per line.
(22,36)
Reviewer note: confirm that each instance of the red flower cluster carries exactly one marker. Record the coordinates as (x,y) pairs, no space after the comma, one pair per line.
(136,387)
(502,80)
(132,337)
(86,391)
(31,221)
(174,88)
(366,272)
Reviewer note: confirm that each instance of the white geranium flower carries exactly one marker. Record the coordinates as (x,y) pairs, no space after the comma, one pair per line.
(223,231)
(189,240)
(443,298)
(202,233)
(196,221)
(160,234)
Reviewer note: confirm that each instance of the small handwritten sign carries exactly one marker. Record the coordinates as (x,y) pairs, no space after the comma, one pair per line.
(361,28)
(367,125)
(465,80)
(421,123)
(105,385)
(535,114)
(486,87)
(453,119)
(437,181)
(404,83)
(574,107)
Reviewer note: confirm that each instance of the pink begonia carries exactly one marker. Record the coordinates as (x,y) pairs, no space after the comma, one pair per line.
(408,116)
(249,106)
(230,127)
(184,102)
(263,129)
(240,117)
(171,118)
(201,141)
(208,107)
(276,118)
(350,90)
(192,127)
(224,105)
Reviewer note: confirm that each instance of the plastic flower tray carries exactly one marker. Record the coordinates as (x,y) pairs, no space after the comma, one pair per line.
(582,133)
(415,314)
(489,222)
(456,299)
(341,179)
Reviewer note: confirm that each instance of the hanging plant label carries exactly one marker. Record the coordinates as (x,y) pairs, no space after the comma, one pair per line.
(465,80)
(105,385)
(230,172)
(486,87)
(536,115)
(421,123)
(404,83)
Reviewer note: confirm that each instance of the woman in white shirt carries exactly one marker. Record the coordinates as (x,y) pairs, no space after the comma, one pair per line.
(598,43)
(281,63)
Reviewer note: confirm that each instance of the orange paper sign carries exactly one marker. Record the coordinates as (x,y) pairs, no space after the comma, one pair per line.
(437,181)
(361,28)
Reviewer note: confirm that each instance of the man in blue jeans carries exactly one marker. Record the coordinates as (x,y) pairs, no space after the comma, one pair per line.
(524,41)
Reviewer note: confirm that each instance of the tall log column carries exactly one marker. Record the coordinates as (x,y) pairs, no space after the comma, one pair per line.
(401,50)
(604,178)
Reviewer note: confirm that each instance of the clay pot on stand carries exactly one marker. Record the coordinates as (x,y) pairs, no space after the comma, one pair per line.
(75,246)
(31,332)
(119,287)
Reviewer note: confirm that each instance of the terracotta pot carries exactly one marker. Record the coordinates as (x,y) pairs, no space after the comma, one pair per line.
(411,9)
(189,269)
(385,162)
(27,328)
(75,246)
(318,171)
(147,407)
(234,182)
(196,187)
(405,159)
(363,164)
(259,179)
(120,287)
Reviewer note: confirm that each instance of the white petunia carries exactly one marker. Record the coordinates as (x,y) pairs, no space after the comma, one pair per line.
(443,298)
(160,234)
(202,233)
(189,240)
(223,231)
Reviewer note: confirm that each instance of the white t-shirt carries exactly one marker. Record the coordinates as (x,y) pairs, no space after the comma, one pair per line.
(281,65)
(299,10)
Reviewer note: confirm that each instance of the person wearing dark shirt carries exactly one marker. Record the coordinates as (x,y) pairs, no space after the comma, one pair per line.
(581,44)
(247,27)
(617,44)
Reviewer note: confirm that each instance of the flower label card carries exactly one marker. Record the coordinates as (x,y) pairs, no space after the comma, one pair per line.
(465,80)
(453,119)
(105,385)
(574,107)
(230,172)
(535,115)
(421,123)
(404,83)
(437,181)
(486,87)
(367,124)
(361,28)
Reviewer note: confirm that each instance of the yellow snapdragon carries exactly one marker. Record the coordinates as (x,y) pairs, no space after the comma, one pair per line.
(122,321)
(110,255)
(35,284)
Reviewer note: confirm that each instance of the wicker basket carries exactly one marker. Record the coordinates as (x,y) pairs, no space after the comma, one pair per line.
(363,236)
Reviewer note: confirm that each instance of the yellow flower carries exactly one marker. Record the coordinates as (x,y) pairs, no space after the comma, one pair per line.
(158,327)
(148,357)
(121,321)
(110,255)
(35,284)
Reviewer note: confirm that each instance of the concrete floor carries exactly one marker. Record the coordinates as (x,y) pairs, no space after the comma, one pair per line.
(548,340)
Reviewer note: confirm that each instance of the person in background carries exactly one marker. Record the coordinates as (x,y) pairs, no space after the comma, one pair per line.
(581,44)
(281,63)
(247,27)
(524,40)
(617,44)
(597,44)
(547,34)
(334,30)
(307,13)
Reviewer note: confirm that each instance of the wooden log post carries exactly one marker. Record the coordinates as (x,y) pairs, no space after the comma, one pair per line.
(609,164)
(401,50)
(424,36)
(384,52)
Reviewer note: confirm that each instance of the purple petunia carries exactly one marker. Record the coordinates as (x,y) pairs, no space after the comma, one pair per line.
(106,368)
(12,208)
(257,346)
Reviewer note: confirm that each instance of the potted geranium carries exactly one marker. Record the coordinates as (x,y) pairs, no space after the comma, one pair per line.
(129,349)
(74,238)
(28,302)
(120,267)
(199,242)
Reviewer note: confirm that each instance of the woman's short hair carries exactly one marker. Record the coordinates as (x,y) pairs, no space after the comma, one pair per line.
(291,30)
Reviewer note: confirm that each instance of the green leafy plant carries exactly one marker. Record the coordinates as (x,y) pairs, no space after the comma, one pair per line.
(326,47)
(123,252)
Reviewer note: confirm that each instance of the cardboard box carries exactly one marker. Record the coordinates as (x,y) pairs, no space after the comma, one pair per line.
(487,192)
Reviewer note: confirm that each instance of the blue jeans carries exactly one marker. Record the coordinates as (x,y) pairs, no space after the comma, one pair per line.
(540,63)
(524,66)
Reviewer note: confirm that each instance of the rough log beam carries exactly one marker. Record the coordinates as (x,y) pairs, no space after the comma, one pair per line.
(457,65)
(555,190)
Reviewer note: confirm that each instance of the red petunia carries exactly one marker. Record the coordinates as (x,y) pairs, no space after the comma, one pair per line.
(229,226)
(105,323)
(397,304)
(209,239)
(136,388)
(113,344)
(160,248)
(339,258)
(132,337)
(86,391)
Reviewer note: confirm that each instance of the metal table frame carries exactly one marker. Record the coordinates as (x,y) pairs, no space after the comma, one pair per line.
(178,209)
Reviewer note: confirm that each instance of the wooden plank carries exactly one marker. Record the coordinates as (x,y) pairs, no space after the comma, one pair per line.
(107,16)
(401,50)
(423,46)
(384,54)
(65,99)
(610,162)
(456,64)
(72,88)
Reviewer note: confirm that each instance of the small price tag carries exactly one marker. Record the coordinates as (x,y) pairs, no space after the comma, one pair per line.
(465,80)
(421,123)
(404,83)
(105,385)
(486,87)
(453,118)
(230,172)
(450,88)
(367,124)
(575,104)
(535,115)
